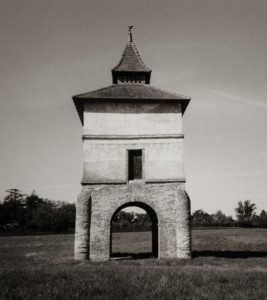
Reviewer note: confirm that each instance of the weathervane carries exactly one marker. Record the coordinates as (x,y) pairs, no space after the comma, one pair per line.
(130,39)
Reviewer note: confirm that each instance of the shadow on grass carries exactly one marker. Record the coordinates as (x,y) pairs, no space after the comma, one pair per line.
(229,254)
(195,254)
(131,255)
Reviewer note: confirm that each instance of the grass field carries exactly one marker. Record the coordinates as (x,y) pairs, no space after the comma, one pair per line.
(226,264)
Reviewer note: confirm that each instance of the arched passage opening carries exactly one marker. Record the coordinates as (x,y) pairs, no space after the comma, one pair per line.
(137,233)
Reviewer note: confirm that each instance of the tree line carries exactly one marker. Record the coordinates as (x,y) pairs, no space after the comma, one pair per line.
(245,217)
(20,213)
(131,221)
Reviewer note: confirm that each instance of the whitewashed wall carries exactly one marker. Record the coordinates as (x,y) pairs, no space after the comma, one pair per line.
(132,118)
(153,127)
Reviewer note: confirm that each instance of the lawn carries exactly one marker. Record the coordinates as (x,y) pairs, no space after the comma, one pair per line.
(226,264)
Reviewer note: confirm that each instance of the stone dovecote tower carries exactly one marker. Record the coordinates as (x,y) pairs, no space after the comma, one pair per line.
(133,155)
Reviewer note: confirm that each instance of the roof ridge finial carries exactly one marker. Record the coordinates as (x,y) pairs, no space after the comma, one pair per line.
(130,37)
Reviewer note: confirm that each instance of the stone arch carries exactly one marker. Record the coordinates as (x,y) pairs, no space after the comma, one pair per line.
(168,202)
(154,219)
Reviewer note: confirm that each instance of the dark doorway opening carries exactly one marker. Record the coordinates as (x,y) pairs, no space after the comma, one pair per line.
(134,232)
(135,165)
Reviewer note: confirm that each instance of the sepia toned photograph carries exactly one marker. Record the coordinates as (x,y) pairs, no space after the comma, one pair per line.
(133,152)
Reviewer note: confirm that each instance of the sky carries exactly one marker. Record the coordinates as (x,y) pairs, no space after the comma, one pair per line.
(213,51)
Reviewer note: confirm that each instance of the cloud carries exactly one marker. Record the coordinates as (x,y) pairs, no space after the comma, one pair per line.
(236,98)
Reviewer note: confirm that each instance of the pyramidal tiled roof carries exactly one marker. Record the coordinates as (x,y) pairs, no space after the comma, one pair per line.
(131,61)
(131,91)
(124,92)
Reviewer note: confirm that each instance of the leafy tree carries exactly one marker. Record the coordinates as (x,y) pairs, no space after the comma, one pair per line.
(201,218)
(13,209)
(43,216)
(220,219)
(64,217)
(245,212)
(263,217)
(3,217)
(14,194)
(130,221)
(32,203)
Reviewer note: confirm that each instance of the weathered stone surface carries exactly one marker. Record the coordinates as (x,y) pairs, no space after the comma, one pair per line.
(169,201)
(82,226)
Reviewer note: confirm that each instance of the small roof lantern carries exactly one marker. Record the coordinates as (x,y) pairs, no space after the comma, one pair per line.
(131,68)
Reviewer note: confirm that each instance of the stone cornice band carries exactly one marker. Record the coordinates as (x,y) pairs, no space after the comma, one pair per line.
(131,137)
(123,182)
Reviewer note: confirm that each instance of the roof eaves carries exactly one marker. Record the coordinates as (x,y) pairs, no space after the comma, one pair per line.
(172,93)
(80,104)
(94,91)
(79,107)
